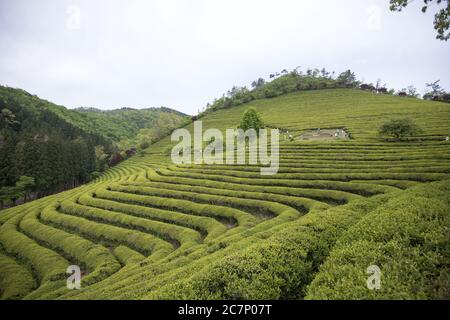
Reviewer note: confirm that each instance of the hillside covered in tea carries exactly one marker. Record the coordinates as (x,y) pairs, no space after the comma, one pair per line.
(148,229)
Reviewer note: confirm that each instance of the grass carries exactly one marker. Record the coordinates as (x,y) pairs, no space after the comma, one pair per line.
(147,229)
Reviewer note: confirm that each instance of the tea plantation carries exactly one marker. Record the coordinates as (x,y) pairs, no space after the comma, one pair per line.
(148,229)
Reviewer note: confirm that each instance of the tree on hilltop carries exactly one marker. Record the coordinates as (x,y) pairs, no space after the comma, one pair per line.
(347,78)
(258,83)
(434,91)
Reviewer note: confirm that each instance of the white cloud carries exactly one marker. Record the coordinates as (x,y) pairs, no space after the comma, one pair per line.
(362,61)
(374,17)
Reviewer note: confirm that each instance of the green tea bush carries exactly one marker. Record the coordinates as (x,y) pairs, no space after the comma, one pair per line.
(15,280)
(359,189)
(258,272)
(327,196)
(206,226)
(48,265)
(143,242)
(245,202)
(227,215)
(408,238)
(92,257)
(279,267)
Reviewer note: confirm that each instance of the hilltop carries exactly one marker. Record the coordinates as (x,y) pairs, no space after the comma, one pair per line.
(360,112)
(148,229)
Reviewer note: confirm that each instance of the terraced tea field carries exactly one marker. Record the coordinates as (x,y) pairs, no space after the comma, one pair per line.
(148,229)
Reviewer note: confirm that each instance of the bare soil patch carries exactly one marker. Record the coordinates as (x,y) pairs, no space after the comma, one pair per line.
(325,134)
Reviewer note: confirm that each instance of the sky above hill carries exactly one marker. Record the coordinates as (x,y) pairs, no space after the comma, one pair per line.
(183,54)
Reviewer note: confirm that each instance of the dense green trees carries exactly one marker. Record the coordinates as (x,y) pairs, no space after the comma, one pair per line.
(21,189)
(40,152)
(54,163)
(60,148)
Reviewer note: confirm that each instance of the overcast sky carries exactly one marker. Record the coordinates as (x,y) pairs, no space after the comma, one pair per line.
(183,54)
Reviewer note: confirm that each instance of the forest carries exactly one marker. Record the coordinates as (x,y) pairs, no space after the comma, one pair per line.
(46,148)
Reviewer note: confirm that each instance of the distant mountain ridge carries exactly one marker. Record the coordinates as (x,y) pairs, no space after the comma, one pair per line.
(119,124)
(114,124)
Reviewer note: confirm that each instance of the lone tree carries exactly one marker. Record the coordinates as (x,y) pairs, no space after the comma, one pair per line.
(251,120)
(399,129)
(435,91)
(441,18)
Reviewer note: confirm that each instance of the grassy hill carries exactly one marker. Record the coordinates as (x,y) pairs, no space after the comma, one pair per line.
(147,229)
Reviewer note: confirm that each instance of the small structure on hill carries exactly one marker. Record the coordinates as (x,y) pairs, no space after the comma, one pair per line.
(325,134)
